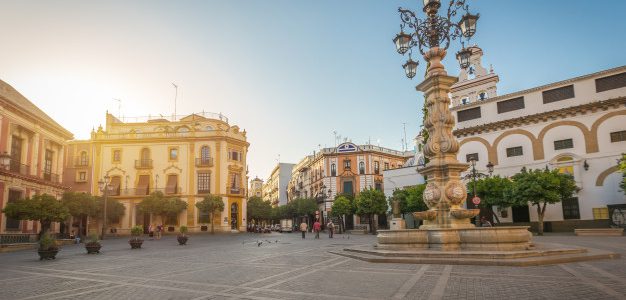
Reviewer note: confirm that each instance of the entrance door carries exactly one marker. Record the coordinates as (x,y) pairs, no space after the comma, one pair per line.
(521,214)
(234,216)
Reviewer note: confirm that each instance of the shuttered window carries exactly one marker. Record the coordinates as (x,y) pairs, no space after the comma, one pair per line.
(510,105)
(563,144)
(468,114)
(559,94)
(514,151)
(611,82)
(618,136)
(471,156)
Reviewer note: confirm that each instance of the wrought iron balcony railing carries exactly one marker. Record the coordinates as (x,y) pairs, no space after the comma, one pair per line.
(204,162)
(143,164)
(52,177)
(19,168)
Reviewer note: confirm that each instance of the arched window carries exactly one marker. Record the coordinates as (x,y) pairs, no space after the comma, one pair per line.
(145,154)
(362,168)
(464,101)
(482,96)
(83,158)
(209,128)
(333,170)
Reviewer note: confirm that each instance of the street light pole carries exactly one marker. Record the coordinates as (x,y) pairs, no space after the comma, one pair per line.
(104,188)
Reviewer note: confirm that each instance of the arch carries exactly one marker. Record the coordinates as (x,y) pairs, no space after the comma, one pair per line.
(598,122)
(591,144)
(492,155)
(605,174)
(537,151)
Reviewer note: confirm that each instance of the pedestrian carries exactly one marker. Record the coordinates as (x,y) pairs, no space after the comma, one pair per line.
(159,229)
(331,228)
(151,232)
(317,227)
(303,228)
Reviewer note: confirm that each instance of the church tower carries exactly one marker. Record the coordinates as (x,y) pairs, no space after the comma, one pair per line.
(475,83)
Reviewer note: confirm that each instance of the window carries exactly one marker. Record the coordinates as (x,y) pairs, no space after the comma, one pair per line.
(82,176)
(203,217)
(386,166)
(482,96)
(611,82)
(563,144)
(376,167)
(83,158)
(468,114)
(205,153)
(13,224)
(378,186)
(558,94)
(570,208)
(348,187)
(471,156)
(172,184)
(618,136)
(347,164)
(333,170)
(600,213)
(16,154)
(173,154)
(117,156)
(116,183)
(510,105)
(361,168)
(145,154)
(204,183)
(235,183)
(464,101)
(514,151)
(47,166)
(143,185)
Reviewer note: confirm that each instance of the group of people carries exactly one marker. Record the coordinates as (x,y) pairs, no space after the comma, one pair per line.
(155,232)
(317,227)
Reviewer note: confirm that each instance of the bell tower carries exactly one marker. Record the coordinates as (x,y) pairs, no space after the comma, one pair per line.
(475,82)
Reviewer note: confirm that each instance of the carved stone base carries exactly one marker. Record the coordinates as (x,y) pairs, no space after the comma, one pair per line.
(397,224)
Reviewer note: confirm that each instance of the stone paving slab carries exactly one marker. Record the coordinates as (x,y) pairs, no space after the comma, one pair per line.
(233,267)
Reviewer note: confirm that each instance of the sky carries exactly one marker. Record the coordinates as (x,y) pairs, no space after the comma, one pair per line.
(289,72)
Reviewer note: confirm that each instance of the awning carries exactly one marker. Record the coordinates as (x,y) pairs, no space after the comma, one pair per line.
(172,184)
(143,185)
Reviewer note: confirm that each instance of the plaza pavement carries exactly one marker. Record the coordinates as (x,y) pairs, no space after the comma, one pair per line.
(232,266)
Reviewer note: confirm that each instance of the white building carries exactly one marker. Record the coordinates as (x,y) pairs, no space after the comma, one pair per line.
(275,188)
(577,125)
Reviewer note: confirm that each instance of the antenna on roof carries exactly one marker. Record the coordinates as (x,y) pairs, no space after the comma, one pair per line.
(175,98)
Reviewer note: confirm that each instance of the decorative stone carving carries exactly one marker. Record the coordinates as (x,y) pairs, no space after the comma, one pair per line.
(432,194)
(456,192)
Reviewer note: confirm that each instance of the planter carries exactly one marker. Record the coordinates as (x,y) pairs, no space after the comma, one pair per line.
(93,248)
(135,243)
(51,253)
(182,240)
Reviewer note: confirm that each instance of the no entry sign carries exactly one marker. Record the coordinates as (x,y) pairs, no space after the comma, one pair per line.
(476,200)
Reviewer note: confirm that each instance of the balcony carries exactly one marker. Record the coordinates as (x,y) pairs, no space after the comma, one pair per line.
(55,178)
(143,164)
(17,167)
(204,162)
(145,191)
(236,191)
(78,162)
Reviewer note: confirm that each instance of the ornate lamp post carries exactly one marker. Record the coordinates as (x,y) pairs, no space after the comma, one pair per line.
(105,188)
(431,35)
(473,174)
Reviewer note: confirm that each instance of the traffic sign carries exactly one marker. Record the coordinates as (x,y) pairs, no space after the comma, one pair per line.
(476,200)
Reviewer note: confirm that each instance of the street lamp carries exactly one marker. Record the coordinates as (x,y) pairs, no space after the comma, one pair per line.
(435,33)
(105,188)
(5,160)
(473,174)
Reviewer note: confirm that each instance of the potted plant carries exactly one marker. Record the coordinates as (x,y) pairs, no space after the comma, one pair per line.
(135,242)
(93,245)
(182,238)
(48,248)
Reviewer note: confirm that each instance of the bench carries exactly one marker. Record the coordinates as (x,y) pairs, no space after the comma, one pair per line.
(599,232)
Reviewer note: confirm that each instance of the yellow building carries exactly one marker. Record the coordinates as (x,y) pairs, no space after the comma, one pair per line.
(187,157)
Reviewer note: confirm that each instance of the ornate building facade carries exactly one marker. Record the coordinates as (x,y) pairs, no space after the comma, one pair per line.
(275,188)
(346,169)
(187,157)
(576,125)
(36,145)
(256,188)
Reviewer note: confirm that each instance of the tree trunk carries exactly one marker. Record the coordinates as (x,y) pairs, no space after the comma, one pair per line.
(540,220)
(212,218)
(493,213)
(371,218)
(45,227)
(80,227)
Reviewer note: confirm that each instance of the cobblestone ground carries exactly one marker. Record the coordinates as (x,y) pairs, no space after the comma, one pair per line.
(234,267)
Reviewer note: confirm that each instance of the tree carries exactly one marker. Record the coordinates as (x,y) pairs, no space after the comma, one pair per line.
(492,191)
(622,168)
(342,206)
(79,205)
(115,209)
(211,204)
(157,203)
(415,198)
(43,208)
(371,202)
(258,209)
(540,188)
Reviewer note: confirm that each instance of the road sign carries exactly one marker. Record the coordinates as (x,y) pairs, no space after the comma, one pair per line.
(476,200)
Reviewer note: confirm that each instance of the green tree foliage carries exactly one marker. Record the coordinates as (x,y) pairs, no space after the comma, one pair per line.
(79,205)
(493,192)
(157,203)
(371,202)
(540,188)
(342,206)
(115,209)
(415,198)
(43,208)
(257,209)
(211,204)
(303,206)
(622,168)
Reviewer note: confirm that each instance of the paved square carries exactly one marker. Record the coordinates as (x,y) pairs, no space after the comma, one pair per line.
(234,267)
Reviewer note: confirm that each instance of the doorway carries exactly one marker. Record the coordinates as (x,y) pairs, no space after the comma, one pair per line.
(234,216)
(521,214)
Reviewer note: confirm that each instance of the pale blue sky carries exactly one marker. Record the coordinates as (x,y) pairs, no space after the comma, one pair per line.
(289,72)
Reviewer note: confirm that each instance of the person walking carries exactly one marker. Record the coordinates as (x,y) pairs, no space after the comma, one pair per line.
(317,227)
(159,230)
(331,229)
(303,228)
(151,232)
